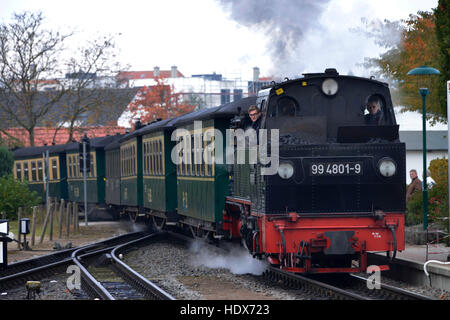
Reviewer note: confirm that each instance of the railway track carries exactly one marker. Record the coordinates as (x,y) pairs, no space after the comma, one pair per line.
(18,273)
(340,287)
(105,276)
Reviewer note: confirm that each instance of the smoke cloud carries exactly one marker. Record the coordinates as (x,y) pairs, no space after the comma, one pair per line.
(284,21)
(237,259)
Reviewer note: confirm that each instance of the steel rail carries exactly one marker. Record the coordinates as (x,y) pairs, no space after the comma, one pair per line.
(33,269)
(140,283)
(96,289)
(296,281)
(88,283)
(395,292)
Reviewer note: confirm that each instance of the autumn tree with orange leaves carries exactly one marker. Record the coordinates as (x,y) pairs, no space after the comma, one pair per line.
(159,101)
(417,46)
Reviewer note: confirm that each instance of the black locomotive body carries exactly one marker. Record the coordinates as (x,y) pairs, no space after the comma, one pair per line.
(339,191)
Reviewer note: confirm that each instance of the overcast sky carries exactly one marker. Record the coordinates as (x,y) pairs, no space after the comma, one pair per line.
(203,36)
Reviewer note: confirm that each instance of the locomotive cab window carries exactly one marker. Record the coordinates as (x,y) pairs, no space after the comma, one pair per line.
(287,107)
(375,110)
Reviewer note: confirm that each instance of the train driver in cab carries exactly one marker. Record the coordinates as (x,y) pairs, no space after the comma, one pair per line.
(255,115)
(375,115)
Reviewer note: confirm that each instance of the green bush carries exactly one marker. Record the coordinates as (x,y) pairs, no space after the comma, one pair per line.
(6,161)
(15,194)
(414,210)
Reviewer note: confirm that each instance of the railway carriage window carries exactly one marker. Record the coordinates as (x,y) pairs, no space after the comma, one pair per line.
(19,171)
(134,160)
(33,171)
(192,164)
(128,161)
(54,169)
(76,166)
(72,166)
(146,157)
(25,171)
(149,157)
(131,161)
(92,166)
(69,166)
(181,155)
(185,156)
(202,168)
(125,162)
(160,157)
(40,170)
(197,154)
(156,158)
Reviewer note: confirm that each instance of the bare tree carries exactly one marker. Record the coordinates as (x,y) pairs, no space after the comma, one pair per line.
(90,83)
(29,53)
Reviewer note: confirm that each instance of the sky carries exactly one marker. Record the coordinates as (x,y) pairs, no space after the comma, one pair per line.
(226,36)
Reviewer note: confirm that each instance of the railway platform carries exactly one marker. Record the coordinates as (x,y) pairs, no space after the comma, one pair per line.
(409,265)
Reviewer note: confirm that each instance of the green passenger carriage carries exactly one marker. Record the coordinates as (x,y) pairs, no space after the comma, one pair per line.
(95,183)
(29,165)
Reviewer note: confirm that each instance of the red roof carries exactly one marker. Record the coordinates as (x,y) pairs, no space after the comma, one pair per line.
(44,135)
(136,75)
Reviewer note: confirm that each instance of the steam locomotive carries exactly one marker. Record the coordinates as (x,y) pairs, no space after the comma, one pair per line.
(318,190)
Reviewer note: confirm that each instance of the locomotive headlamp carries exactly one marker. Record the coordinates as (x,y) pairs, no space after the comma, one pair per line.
(330,87)
(285,170)
(387,167)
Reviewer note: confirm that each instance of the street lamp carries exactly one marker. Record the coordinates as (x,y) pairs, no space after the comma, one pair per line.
(424,74)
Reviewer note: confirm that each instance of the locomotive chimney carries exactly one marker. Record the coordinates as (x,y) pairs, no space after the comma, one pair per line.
(173,72)
(156,72)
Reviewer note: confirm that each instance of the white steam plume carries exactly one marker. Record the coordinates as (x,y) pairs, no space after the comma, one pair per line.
(237,259)
(284,21)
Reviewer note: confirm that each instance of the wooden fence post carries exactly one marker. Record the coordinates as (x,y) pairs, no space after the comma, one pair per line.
(75,217)
(61,213)
(19,237)
(69,209)
(47,216)
(53,208)
(33,227)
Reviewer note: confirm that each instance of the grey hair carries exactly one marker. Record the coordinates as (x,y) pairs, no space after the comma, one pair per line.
(376,101)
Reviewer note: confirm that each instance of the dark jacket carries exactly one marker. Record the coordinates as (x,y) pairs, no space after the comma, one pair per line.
(257,124)
(374,119)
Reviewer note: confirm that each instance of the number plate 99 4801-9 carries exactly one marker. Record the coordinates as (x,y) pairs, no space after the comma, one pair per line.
(341,168)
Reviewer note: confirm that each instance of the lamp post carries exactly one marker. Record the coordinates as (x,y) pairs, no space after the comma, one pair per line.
(424,74)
